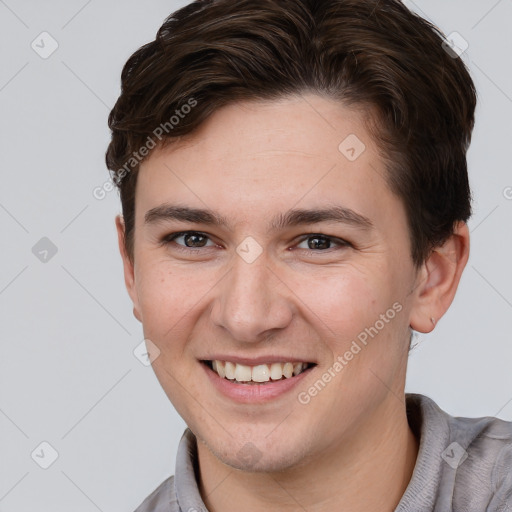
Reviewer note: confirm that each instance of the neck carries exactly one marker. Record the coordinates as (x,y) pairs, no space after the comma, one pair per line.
(368,470)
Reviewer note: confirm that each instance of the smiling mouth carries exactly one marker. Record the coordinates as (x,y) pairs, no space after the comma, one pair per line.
(258,374)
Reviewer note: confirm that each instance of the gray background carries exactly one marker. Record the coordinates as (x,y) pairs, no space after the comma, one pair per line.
(68,373)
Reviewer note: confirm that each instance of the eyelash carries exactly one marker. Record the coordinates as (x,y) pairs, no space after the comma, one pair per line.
(170,238)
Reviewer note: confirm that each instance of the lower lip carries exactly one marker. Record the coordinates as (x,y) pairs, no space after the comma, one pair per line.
(254,393)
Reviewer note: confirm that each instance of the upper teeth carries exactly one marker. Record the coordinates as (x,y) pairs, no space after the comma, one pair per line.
(258,373)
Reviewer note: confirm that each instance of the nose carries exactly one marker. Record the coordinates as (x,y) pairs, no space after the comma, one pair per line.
(252,302)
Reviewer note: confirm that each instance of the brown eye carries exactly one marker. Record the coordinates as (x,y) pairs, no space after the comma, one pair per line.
(319,242)
(195,240)
(322,242)
(190,239)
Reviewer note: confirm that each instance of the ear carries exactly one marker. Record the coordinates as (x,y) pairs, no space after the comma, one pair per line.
(438,279)
(129,268)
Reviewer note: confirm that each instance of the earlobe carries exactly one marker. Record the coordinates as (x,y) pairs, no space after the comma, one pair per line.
(438,280)
(136,314)
(128,267)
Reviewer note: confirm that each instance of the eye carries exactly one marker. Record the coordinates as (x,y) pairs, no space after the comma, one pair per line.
(321,243)
(191,240)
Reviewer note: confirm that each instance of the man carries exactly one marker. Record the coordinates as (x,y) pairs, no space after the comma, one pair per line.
(295,195)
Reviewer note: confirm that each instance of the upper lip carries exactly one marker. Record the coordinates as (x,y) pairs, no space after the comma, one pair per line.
(254,361)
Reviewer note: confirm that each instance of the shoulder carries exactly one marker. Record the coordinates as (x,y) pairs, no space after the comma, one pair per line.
(162,499)
(475,456)
(487,457)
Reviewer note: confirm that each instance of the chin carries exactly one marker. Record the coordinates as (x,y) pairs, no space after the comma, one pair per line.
(261,462)
(261,455)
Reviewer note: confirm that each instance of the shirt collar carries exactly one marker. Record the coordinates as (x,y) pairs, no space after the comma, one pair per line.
(187,491)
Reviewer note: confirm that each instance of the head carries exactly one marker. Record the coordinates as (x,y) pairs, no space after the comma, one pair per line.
(325,144)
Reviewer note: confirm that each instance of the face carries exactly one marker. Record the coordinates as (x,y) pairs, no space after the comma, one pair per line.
(263,280)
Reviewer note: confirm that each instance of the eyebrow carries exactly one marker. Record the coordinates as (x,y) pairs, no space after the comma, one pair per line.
(295,217)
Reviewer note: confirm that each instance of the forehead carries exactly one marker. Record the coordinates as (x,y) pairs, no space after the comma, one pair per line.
(252,156)
(306,125)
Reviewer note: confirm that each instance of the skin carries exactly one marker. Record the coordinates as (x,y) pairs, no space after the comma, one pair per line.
(350,447)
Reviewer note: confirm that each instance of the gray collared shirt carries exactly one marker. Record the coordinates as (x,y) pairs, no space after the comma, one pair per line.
(463,465)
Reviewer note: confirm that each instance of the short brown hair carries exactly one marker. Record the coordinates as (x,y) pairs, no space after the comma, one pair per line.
(370,54)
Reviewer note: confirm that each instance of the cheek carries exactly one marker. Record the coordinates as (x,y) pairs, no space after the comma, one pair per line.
(345,301)
(166,299)
(360,316)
